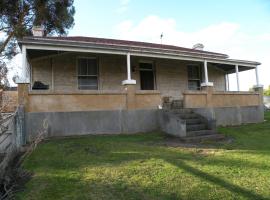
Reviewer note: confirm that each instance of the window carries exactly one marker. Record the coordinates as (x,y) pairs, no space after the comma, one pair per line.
(147,76)
(194,77)
(87,74)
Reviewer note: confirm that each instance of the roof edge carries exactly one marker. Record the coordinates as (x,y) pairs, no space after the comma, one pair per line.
(40,40)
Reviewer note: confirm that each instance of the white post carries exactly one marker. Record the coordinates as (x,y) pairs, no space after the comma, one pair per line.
(227,82)
(257,76)
(206,81)
(25,67)
(129,81)
(128,67)
(24,64)
(205,72)
(237,77)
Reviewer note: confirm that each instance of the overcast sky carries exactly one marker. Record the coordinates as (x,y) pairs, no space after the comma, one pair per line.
(239,28)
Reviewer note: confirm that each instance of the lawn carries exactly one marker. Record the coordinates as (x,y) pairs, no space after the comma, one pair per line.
(143,167)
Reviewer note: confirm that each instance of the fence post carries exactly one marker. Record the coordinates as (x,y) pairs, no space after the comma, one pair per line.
(20,126)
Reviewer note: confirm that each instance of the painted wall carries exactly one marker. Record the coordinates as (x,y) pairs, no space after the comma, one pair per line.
(60,73)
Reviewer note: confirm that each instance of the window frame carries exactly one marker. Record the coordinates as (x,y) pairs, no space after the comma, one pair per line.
(153,71)
(195,79)
(77,71)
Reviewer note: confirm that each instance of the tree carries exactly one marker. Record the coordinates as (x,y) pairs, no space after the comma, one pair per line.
(267,91)
(17,18)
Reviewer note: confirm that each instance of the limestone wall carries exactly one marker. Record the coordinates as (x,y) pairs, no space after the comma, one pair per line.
(60,73)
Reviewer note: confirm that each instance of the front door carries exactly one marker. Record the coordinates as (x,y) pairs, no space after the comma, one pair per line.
(147,76)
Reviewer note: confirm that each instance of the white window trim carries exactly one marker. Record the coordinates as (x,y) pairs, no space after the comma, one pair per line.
(77,70)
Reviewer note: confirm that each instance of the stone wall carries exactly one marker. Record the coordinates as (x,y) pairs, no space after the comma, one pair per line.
(227,108)
(60,73)
(201,99)
(9,101)
(86,100)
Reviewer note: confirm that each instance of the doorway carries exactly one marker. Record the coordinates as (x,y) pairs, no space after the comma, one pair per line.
(147,76)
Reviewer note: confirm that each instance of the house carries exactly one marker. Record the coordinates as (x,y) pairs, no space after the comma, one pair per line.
(84,85)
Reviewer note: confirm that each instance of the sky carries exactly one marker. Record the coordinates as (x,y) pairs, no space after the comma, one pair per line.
(239,28)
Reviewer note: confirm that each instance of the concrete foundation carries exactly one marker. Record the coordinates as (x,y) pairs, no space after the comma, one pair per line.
(133,121)
(227,116)
(91,122)
(171,124)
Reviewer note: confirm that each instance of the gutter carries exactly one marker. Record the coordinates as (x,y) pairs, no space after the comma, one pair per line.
(138,51)
(113,46)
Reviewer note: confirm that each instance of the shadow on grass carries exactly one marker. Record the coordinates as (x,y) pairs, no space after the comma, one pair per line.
(218,181)
(107,151)
(134,152)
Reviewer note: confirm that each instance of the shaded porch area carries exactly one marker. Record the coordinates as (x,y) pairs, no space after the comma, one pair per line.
(85,81)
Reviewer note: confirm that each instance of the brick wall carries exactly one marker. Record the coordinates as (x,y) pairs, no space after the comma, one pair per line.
(171,75)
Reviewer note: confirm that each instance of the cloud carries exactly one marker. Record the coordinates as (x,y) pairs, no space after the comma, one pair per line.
(123,6)
(225,37)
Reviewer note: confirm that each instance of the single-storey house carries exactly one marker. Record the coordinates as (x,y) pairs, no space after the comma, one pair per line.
(86,85)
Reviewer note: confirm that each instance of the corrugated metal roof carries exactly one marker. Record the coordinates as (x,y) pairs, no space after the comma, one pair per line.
(123,43)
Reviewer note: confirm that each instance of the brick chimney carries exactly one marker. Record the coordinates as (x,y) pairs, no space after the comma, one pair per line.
(38,31)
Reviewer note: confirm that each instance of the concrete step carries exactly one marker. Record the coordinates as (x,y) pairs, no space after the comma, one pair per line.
(201,132)
(182,111)
(193,121)
(204,138)
(196,127)
(177,104)
(187,115)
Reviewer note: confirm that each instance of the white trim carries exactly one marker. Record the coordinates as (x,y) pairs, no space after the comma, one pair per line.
(77,70)
(208,84)
(227,82)
(24,65)
(128,67)
(129,82)
(257,76)
(205,71)
(114,46)
(237,77)
(75,49)
(145,53)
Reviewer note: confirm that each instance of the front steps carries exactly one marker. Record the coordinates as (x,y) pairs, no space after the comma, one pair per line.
(197,127)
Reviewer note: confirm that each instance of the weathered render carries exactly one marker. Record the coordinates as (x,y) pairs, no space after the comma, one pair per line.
(119,102)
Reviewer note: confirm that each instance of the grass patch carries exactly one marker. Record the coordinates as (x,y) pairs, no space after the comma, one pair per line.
(139,167)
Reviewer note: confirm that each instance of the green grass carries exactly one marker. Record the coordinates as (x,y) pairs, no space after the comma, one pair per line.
(142,167)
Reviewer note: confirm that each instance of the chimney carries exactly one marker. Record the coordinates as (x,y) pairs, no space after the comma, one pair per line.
(38,31)
(198,46)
